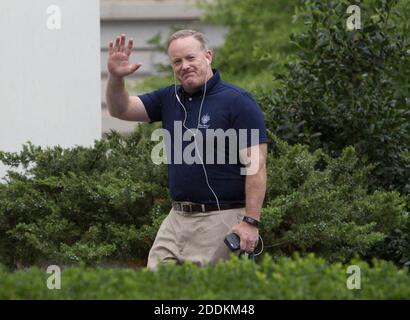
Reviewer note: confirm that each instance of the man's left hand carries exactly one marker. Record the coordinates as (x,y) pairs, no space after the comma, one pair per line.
(249,236)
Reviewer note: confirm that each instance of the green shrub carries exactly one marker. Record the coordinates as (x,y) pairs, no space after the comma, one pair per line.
(104,205)
(316,203)
(349,88)
(82,204)
(286,278)
(395,247)
(258,34)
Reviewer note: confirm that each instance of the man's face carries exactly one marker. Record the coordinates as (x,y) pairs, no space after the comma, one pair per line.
(189,62)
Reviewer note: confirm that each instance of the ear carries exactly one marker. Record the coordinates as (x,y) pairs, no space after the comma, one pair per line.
(208,57)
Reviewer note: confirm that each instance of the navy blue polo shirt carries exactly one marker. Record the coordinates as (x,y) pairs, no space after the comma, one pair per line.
(226,107)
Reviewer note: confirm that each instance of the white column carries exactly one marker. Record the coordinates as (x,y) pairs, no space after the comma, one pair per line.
(50,73)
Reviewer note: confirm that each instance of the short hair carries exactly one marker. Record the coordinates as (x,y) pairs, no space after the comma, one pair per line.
(188,33)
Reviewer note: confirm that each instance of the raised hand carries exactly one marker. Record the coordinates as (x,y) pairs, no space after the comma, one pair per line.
(119,58)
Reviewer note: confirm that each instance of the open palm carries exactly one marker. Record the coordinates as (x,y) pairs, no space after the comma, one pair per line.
(119,58)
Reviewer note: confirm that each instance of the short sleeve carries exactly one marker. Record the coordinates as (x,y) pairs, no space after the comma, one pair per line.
(249,121)
(153,102)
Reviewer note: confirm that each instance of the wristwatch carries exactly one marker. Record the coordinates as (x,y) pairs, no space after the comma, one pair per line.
(251,221)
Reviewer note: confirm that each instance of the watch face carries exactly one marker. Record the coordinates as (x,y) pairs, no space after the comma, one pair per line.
(251,221)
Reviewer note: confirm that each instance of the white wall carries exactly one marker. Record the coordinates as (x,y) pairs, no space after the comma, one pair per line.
(50,91)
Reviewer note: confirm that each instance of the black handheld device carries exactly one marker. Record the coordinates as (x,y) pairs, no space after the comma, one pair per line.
(233,241)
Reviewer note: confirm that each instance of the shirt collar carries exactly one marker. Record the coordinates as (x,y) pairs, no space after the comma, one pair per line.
(209,85)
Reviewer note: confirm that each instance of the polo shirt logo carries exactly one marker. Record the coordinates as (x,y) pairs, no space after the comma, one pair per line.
(204,120)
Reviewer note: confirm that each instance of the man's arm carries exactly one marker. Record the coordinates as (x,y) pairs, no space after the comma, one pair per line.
(255,188)
(120,104)
(255,184)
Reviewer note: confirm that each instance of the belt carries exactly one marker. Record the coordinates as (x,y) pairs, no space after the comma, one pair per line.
(198,207)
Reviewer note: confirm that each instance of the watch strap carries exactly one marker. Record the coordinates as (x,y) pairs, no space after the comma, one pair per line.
(251,221)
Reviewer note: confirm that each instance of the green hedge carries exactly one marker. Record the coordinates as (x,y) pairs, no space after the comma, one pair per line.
(297,278)
(316,203)
(258,34)
(83,204)
(104,205)
(349,88)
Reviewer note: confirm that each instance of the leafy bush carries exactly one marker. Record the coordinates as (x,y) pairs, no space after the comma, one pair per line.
(104,205)
(258,33)
(316,203)
(296,278)
(349,88)
(82,204)
(395,247)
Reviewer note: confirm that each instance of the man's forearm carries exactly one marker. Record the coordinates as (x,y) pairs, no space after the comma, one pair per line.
(117,96)
(255,188)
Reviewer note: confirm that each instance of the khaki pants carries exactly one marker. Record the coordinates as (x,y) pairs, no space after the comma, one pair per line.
(197,237)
